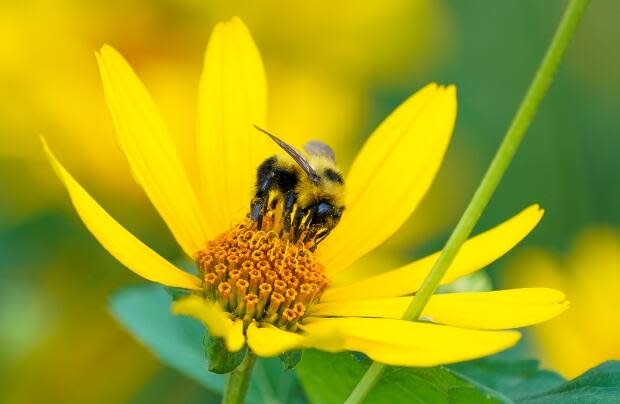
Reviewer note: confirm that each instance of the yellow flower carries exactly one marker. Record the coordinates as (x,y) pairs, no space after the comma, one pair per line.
(274,294)
(589,333)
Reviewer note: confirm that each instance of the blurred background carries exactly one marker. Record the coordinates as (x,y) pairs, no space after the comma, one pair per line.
(334,71)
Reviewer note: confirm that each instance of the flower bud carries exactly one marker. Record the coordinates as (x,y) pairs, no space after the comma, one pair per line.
(219,358)
(290,359)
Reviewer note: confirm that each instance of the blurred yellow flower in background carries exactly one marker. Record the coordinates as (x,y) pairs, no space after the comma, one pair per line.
(46,50)
(588,333)
(352,35)
(50,83)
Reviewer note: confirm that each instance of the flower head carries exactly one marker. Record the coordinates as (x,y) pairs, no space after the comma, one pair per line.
(263,288)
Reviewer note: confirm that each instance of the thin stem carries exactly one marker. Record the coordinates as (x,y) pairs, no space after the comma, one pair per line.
(512,139)
(238,380)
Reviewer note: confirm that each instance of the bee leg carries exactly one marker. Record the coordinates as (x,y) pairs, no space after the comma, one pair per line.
(256,210)
(258,206)
(297,227)
(290,198)
(320,238)
(314,229)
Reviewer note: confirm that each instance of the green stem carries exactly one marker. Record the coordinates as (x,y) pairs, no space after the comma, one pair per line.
(238,380)
(512,139)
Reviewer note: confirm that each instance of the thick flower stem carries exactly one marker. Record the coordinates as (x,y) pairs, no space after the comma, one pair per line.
(512,139)
(238,380)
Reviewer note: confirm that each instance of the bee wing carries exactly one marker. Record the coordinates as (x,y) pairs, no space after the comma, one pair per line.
(319,149)
(295,154)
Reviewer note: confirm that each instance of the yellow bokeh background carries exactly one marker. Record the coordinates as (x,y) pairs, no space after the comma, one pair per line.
(334,70)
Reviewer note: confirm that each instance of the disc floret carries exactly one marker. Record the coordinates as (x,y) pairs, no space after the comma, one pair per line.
(260,275)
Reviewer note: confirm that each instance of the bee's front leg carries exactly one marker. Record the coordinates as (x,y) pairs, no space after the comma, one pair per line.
(298,228)
(312,232)
(290,198)
(320,236)
(258,206)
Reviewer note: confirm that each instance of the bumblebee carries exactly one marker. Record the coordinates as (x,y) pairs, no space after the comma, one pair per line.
(309,189)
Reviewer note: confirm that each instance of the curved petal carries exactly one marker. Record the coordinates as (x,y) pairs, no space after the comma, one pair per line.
(496,310)
(408,343)
(475,254)
(392,173)
(151,151)
(271,341)
(268,340)
(126,248)
(216,320)
(235,338)
(232,98)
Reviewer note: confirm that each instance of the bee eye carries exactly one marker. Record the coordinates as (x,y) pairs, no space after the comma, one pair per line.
(323,208)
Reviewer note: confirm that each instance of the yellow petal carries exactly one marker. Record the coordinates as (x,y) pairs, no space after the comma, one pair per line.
(210,313)
(407,343)
(475,254)
(235,338)
(151,151)
(268,340)
(392,173)
(126,248)
(496,310)
(232,99)
(216,320)
(271,341)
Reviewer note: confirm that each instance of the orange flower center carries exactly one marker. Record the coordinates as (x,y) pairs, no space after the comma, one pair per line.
(261,275)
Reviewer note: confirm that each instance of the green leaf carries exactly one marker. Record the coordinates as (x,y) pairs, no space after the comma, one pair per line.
(493,379)
(276,385)
(329,378)
(599,385)
(515,378)
(178,342)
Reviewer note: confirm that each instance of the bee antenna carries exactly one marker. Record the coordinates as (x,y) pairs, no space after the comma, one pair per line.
(265,131)
(295,154)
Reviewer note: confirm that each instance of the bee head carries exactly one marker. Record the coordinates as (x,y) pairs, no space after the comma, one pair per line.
(296,155)
(326,214)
